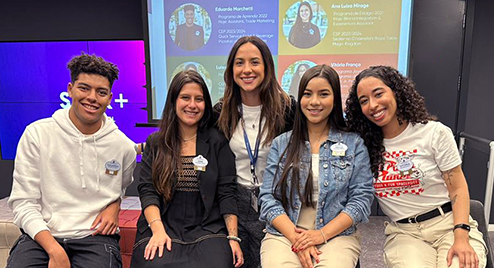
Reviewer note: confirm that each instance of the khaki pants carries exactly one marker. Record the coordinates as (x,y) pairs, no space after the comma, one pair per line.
(426,244)
(339,252)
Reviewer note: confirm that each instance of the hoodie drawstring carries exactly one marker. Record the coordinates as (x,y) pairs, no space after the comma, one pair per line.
(81,164)
(97,163)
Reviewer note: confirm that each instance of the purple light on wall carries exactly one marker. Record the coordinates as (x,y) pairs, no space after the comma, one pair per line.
(34,83)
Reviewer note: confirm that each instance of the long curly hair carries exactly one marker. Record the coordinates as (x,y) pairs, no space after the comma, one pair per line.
(410,109)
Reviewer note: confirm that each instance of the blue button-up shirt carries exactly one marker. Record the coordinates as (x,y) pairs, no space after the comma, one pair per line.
(345,182)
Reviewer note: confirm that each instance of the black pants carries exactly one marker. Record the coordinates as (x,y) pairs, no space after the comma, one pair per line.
(100,251)
(250,228)
(208,253)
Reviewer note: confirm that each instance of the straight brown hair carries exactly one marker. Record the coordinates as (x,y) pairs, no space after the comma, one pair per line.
(274,100)
(166,164)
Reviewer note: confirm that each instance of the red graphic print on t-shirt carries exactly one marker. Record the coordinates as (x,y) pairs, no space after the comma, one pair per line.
(399,175)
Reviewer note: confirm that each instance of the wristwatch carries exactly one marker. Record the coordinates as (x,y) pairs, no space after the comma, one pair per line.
(462,226)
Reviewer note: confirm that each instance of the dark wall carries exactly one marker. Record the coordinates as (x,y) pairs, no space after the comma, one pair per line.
(477,95)
(479,113)
(48,20)
(6,169)
(436,54)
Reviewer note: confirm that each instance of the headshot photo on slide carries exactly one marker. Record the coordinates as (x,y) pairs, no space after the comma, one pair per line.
(195,66)
(190,26)
(291,76)
(305,24)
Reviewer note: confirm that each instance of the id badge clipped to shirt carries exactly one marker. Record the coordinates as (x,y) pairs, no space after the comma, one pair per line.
(254,198)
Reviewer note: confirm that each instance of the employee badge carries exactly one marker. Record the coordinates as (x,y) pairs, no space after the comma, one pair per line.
(254,199)
(338,149)
(200,163)
(112,167)
(405,165)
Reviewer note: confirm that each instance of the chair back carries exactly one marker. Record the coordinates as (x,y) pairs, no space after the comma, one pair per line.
(477,213)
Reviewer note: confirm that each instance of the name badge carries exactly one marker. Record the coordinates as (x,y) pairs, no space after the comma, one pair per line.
(200,163)
(405,167)
(112,167)
(338,149)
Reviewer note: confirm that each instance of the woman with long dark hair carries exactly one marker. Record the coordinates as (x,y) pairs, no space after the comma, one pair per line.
(417,174)
(304,33)
(317,184)
(187,196)
(253,111)
(301,69)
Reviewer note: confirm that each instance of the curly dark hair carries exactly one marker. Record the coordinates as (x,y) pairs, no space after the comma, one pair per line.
(92,64)
(410,108)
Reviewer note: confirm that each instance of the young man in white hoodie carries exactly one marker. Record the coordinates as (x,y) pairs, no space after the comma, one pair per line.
(70,172)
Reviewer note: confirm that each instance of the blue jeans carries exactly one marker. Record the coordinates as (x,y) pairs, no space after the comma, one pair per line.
(99,251)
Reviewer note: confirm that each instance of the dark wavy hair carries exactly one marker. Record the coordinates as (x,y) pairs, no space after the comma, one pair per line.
(410,108)
(274,100)
(300,134)
(92,64)
(166,165)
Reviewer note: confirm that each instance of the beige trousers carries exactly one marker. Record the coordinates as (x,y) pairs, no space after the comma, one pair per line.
(426,244)
(339,252)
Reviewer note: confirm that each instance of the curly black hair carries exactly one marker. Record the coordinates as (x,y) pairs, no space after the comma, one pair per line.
(410,108)
(92,64)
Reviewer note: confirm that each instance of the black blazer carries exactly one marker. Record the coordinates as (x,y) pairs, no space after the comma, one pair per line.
(217,184)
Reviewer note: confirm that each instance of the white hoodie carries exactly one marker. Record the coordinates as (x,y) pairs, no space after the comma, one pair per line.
(63,179)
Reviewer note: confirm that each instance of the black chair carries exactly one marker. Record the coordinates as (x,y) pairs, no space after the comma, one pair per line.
(477,213)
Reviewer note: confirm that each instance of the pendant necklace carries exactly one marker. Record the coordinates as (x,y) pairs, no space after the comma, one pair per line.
(185,140)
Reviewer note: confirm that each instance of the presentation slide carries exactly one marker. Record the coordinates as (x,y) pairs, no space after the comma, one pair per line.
(347,35)
(34,79)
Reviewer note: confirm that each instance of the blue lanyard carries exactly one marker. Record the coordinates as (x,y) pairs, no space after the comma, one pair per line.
(252,156)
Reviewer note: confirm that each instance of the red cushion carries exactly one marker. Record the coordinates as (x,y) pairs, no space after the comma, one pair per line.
(127,224)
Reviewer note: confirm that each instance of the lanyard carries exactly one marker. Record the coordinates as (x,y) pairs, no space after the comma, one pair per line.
(252,156)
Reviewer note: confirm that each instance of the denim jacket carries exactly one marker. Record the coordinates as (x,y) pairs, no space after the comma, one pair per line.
(345,182)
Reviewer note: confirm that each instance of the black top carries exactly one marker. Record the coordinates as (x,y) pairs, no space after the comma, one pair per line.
(189,38)
(217,184)
(304,35)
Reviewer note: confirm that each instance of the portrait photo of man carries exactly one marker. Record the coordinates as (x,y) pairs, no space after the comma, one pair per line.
(189,36)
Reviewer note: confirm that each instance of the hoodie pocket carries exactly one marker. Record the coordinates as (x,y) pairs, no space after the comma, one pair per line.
(68,222)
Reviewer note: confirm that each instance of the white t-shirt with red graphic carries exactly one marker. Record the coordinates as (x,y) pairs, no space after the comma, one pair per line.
(410,182)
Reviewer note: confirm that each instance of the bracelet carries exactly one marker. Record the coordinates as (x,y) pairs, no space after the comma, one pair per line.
(462,226)
(151,222)
(234,238)
(323,236)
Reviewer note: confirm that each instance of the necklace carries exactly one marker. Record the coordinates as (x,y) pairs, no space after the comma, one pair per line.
(188,139)
(256,120)
(318,143)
